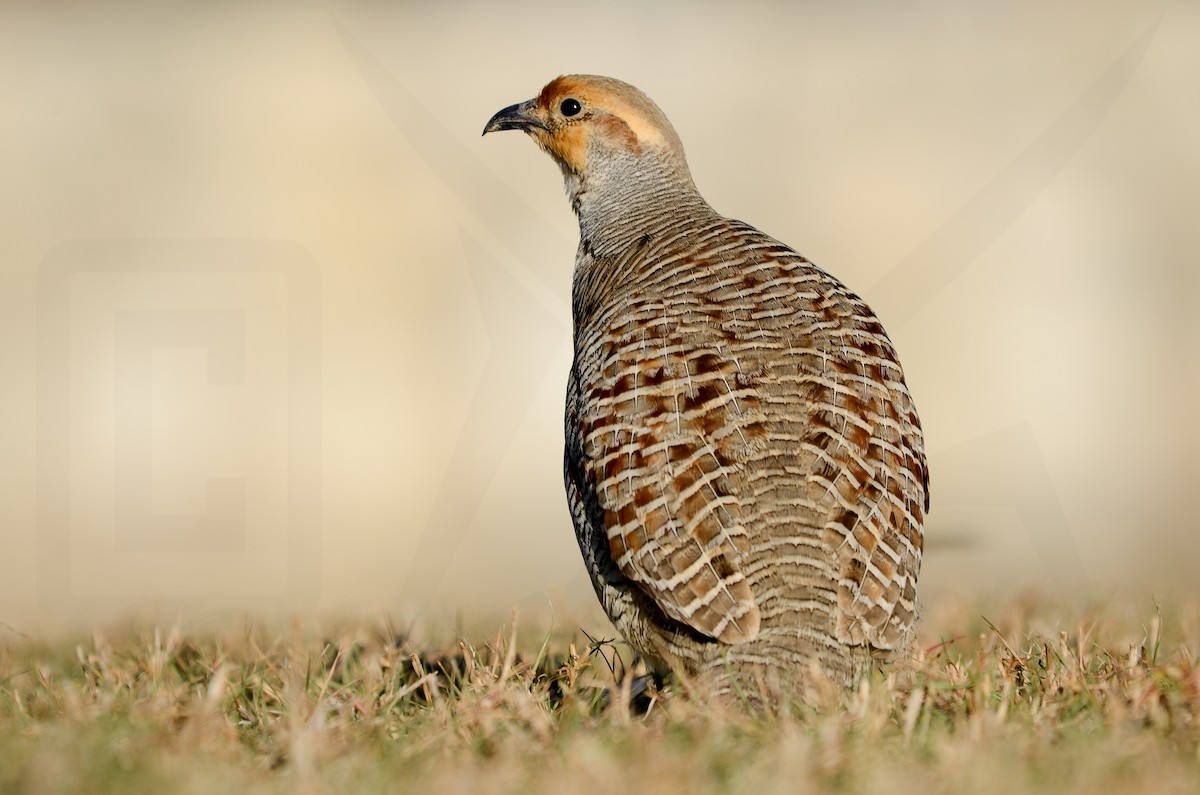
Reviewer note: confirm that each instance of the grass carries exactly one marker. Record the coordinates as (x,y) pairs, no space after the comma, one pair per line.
(1016,699)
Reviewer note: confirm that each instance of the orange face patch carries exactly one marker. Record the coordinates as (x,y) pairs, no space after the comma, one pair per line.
(569,144)
(556,90)
(606,114)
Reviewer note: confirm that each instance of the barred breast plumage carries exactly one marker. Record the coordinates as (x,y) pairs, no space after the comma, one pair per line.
(744,462)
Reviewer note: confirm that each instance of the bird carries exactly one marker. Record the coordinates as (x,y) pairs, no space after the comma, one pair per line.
(744,463)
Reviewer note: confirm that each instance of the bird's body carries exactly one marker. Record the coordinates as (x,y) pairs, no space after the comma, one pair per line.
(744,463)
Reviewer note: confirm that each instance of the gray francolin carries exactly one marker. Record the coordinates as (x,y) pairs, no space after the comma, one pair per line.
(744,462)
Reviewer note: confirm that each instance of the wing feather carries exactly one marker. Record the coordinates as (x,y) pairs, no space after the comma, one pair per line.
(663,425)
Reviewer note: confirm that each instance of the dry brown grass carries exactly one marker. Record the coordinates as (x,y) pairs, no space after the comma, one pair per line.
(1105,702)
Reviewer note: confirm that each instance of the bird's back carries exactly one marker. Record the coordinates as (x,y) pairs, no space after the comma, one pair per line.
(744,462)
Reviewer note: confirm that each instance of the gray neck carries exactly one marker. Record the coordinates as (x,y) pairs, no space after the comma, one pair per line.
(632,196)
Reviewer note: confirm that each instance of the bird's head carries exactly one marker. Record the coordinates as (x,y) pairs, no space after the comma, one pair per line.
(587,121)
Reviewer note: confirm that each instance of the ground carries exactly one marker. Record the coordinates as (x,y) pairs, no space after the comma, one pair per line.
(1017,697)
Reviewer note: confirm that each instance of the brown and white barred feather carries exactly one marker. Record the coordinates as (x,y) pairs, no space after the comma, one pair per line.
(742,427)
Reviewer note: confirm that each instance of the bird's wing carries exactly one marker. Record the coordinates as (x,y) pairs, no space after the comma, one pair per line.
(663,421)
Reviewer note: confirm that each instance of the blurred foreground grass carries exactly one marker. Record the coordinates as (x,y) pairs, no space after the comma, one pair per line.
(1022,698)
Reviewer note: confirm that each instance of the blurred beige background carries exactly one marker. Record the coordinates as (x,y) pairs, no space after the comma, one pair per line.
(370,421)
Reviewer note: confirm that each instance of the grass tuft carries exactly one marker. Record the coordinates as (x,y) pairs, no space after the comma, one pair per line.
(1014,701)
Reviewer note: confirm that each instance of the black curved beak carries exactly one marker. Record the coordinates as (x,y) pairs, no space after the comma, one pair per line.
(522,116)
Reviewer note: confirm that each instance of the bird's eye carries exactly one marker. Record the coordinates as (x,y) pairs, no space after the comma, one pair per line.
(570,107)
